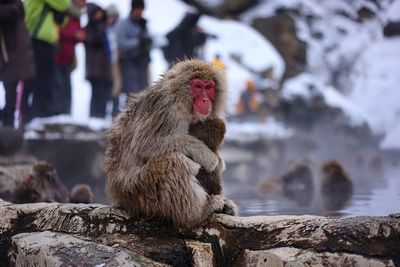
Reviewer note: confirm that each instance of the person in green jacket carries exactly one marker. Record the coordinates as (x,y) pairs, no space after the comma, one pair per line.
(42,18)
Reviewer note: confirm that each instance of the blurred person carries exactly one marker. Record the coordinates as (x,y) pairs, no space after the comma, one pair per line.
(71,33)
(134,44)
(42,19)
(185,39)
(217,62)
(112,19)
(249,102)
(16,55)
(98,60)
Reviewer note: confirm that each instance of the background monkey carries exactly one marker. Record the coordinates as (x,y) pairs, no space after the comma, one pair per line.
(151,160)
(41,185)
(81,193)
(336,186)
(211,132)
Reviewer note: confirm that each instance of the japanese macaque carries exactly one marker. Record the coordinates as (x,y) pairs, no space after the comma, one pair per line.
(152,161)
(336,186)
(42,185)
(298,184)
(211,132)
(81,193)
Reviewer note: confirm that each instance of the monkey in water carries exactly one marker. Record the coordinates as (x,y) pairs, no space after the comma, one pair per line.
(336,186)
(152,161)
(211,132)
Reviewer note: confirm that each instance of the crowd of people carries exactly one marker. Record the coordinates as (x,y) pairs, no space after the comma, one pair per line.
(37,55)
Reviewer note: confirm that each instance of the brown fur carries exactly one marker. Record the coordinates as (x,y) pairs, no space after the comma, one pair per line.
(42,185)
(336,186)
(151,160)
(81,193)
(298,183)
(211,132)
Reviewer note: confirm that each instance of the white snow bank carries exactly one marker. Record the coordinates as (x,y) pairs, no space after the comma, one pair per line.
(251,131)
(377,83)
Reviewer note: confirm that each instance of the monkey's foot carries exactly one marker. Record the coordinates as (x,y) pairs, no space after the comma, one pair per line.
(229,208)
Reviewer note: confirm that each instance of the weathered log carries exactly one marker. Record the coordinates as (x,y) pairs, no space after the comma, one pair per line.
(288,256)
(54,249)
(223,240)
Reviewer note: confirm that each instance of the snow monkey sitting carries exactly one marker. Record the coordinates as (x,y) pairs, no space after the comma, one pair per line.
(152,161)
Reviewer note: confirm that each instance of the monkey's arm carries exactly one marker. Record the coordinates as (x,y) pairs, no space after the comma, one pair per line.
(194,149)
(221,165)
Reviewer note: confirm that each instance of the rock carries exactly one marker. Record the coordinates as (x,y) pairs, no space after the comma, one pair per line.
(392,29)
(11,141)
(110,237)
(222,9)
(289,256)
(202,253)
(280,30)
(56,250)
(365,13)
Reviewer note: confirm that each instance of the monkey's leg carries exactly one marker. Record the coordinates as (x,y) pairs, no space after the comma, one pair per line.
(170,189)
(210,181)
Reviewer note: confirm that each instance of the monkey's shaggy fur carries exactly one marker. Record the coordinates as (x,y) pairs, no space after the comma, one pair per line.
(42,185)
(151,160)
(211,132)
(81,193)
(336,186)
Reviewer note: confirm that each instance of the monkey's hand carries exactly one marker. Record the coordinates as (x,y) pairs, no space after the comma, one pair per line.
(207,159)
(221,204)
(230,208)
(197,151)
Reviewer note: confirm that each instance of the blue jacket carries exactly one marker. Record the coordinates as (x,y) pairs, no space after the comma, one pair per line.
(131,39)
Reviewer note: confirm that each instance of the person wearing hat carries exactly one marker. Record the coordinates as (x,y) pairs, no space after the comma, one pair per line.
(134,44)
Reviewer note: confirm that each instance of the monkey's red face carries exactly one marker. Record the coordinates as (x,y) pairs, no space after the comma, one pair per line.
(203,92)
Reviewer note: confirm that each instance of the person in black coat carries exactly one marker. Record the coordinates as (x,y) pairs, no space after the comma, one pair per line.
(16,55)
(185,39)
(98,60)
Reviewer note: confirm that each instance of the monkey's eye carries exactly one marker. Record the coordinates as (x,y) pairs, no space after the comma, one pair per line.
(208,87)
(197,86)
